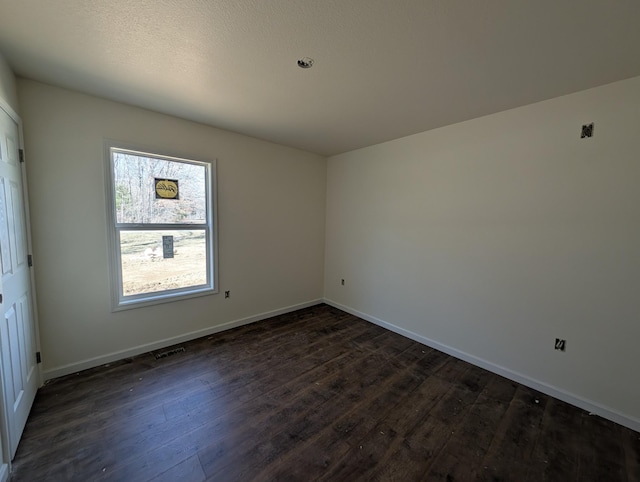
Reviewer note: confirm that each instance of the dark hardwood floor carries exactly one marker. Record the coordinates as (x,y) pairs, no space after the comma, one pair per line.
(313,395)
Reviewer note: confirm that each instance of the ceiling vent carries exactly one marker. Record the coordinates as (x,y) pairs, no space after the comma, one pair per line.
(305,63)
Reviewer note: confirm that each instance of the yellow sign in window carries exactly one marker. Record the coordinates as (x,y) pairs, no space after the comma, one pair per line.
(167,189)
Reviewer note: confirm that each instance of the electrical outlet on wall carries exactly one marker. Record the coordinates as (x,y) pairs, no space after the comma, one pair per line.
(587,131)
(342,281)
(560,344)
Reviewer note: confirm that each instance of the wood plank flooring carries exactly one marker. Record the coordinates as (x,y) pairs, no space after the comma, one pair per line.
(313,395)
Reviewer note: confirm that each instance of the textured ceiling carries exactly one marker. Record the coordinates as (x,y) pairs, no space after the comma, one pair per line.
(383,69)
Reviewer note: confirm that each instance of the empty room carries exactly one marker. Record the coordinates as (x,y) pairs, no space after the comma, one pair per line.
(273,240)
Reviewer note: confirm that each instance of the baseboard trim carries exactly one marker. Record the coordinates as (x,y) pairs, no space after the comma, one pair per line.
(140,349)
(589,406)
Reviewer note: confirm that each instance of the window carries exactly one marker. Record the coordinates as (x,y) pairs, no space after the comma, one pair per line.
(162,226)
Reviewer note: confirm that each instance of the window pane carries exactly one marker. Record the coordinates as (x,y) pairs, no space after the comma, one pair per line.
(154,261)
(136,197)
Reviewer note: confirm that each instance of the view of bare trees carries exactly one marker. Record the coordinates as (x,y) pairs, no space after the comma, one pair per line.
(135,198)
(145,266)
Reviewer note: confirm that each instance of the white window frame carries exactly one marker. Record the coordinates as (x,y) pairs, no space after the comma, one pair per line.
(118,300)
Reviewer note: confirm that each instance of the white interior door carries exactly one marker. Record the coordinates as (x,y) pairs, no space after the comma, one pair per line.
(4,462)
(17,327)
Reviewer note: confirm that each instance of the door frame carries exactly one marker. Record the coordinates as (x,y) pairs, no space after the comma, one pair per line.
(5,463)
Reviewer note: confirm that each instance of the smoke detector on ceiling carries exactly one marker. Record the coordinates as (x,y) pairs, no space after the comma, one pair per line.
(305,63)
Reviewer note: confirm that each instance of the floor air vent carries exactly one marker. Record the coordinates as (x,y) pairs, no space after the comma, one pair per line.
(165,354)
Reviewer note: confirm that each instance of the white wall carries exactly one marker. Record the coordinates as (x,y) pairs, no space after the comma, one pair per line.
(271,208)
(8,91)
(488,238)
(492,237)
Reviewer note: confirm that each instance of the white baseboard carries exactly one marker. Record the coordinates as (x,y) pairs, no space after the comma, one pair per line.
(140,349)
(589,406)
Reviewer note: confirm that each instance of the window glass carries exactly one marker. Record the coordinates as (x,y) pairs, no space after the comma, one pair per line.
(137,200)
(162,227)
(153,261)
